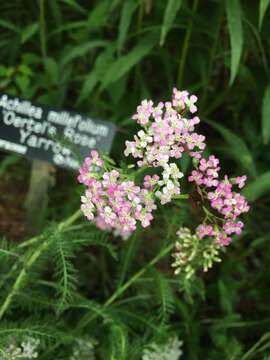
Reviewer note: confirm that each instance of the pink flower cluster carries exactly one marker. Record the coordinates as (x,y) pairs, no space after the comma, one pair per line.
(167,133)
(86,171)
(228,204)
(113,200)
(116,203)
(117,231)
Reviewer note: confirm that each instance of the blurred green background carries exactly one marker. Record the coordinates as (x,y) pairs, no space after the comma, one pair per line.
(103,57)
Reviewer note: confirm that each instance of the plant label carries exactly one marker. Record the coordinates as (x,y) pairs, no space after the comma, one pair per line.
(44,132)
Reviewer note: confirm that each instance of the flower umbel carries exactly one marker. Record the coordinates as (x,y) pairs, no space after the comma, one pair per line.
(114,200)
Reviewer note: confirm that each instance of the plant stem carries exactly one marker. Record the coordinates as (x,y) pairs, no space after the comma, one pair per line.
(130,250)
(86,320)
(29,241)
(212,57)
(42,29)
(69,220)
(33,240)
(137,67)
(32,260)
(183,196)
(123,288)
(185,46)
(139,171)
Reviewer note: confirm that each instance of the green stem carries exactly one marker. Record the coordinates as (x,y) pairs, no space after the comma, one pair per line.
(35,239)
(42,28)
(104,271)
(29,241)
(185,46)
(123,288)
(137,67)
(8,275)
(210,215)
(69,221)
(183,196)
(32,260)
(212,57)
(139,171)
(86,319)
(253,350)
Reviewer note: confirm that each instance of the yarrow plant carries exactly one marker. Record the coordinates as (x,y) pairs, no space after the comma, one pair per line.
(114,199)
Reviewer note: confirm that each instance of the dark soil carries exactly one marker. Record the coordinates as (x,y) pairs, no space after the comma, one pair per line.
(12,213)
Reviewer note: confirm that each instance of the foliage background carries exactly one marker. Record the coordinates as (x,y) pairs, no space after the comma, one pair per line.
(102,58)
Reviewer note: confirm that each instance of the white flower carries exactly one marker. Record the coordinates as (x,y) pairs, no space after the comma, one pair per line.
(169,187)
(83,350)
(169,351)
(25,350)
(144,139)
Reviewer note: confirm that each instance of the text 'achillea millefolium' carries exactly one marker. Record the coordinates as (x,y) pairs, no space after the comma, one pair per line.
(114,201)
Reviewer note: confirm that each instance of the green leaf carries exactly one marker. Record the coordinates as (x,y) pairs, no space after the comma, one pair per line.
(10,71)
(170,13)
(70,26)
(82,49)
(257,188)
(23,82)
(225,297)
(128,252)
(55,10)
(117,90)
(164,295)
(89,83)
(251,352)
(64,272)
(126,15)
(10,26)
(237,147)
(115,3)
(51,68)
(30,59)
(28,32)
(75,6)
(95,76)
(234,16)
(248,79)
(24,69)
(126,62)
(98,17)
(118,342)
(266,115)
(262,10)
(3,70)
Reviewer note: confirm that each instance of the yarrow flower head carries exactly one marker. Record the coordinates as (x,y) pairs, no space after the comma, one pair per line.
(114,199)
(114,202)
(27,349)
(83,349)
(168,351)
(222,199)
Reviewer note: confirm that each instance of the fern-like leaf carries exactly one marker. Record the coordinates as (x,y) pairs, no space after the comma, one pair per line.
(164,295)
(64,272)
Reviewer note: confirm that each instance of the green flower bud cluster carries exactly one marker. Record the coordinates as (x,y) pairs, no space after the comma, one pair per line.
(192,253)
